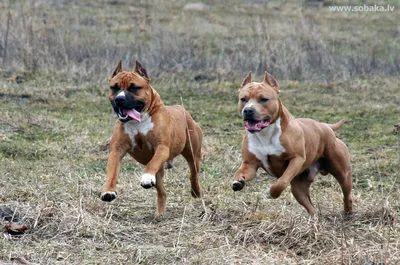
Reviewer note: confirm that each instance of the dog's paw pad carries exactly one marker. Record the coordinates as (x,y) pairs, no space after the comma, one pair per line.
(238,185)
(147,181)
(108,196)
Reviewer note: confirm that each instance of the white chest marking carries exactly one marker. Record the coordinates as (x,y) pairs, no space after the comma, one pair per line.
(266,142)
(133,127)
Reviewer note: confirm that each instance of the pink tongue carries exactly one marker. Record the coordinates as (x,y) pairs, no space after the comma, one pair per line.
(255,126)
(133,114)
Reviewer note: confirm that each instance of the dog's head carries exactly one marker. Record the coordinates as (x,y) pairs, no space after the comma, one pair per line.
(130,92)
(259,103)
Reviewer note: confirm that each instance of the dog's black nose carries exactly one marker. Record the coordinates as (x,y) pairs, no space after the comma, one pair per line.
(248,112)
(119,101)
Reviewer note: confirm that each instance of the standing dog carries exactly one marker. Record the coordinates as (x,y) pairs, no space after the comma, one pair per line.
(293,150)
(150,132)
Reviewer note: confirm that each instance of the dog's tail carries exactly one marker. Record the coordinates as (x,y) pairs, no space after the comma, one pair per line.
(337,125)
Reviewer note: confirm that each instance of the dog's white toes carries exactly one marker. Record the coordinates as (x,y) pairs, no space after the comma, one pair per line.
(268,192)
(147,181)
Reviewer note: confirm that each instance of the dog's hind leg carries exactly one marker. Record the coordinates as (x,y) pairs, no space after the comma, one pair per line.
(192,154)
(161,194)
(194,166)
(300,188)
(338,164)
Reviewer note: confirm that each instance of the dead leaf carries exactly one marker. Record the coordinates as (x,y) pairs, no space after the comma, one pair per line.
(15,229)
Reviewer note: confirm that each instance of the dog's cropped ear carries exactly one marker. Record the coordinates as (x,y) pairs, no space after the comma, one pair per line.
(247,79)
(118,69)
(140,70)
(270,80)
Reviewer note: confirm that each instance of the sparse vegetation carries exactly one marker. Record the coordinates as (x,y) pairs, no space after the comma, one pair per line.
(55,122)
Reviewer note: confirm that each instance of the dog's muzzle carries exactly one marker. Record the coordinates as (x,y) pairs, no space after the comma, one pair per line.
(252,122)
(127,108)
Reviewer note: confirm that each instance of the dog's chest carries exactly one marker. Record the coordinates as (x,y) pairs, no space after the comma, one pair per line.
(133,128)
(266,143)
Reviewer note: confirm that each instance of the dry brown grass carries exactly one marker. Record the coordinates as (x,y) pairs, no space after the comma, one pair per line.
(54,123)
(52,170)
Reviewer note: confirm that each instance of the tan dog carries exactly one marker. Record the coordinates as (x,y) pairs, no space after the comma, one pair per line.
(293,150)
(150,132)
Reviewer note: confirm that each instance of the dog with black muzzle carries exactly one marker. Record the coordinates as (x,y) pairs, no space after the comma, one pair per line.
(292,150)
(150,132)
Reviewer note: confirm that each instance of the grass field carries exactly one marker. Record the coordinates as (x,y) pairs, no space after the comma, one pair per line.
(55,124)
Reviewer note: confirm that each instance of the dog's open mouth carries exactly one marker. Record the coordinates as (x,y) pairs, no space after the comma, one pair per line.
(125,115)
(255,125)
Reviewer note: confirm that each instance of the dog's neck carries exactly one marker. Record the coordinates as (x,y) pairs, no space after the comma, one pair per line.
(284,115)
(155,102)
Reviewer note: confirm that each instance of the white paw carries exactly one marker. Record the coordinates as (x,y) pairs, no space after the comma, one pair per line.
(268,192)
(147,181)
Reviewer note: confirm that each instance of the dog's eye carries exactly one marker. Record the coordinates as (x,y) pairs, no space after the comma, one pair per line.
(115,88)
(133,88)
(263,100)
(243,100)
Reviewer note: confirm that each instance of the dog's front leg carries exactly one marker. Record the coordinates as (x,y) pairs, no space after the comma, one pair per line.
(246,172)
(161,155)
(294,168)
(113,168)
